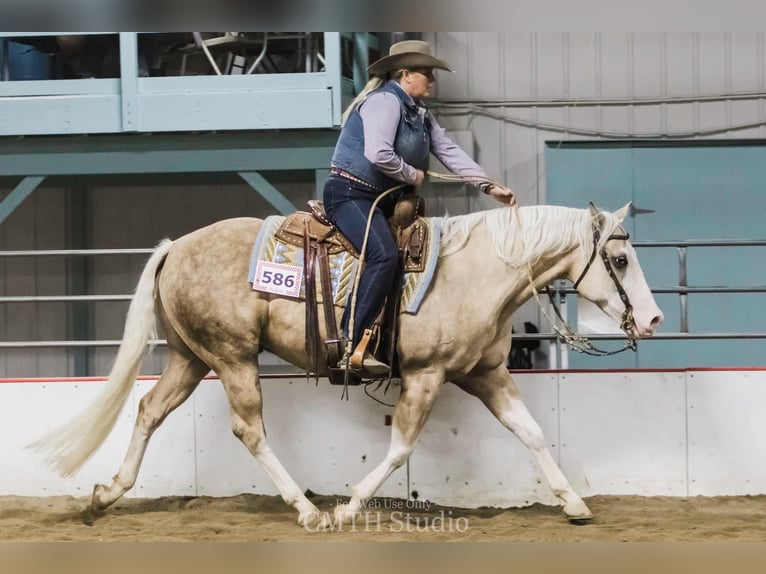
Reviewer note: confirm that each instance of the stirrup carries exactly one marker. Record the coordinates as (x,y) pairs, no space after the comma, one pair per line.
(363,362)
(374,368)
(360,351)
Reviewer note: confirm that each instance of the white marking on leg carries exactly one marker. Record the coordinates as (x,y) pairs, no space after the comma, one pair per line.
(518,419)
(412,410)
(174,386)
(126,476)
(288,488)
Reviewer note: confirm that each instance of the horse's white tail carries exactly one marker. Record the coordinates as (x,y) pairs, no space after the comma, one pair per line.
(69,447)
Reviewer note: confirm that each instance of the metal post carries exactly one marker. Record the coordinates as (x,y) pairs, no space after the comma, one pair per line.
(5,73)
(268,191)
(77,272)
(361,60)
(19,194)
(563,349)
(682,295)
(332,59)
(129,80)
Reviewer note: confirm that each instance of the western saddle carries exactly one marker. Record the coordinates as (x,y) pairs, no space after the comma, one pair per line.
(319,238)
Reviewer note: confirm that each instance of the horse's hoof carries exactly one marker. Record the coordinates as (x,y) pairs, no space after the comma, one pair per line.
(577,513)
(317,522)
(91,513)
(583,518)
(97,504)
(88,517)
(314,520)
(580,521)
(343,514)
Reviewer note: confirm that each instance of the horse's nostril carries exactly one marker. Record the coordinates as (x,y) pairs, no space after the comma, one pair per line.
(656,321)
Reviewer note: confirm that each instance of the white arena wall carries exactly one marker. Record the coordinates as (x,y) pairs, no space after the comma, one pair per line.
(677,433)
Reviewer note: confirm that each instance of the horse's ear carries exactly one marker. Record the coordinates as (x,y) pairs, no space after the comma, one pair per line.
(596,216)
(622,213)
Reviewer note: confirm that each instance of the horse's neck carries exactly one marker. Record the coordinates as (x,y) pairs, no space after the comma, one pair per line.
(535,277)
(507,285)
(517,283)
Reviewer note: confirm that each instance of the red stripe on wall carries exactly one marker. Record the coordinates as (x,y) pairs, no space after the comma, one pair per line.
(301,375)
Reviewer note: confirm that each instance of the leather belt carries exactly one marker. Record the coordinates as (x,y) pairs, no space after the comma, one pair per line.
(344,174)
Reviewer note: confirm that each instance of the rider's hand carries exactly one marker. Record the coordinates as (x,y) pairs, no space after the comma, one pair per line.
(419,177)
(502,194)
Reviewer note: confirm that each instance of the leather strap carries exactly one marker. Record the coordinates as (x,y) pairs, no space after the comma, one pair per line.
(312,321)
(358,357)
(332,343)
(596,237)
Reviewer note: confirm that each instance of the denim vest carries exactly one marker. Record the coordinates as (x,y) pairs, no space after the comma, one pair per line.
(412,143)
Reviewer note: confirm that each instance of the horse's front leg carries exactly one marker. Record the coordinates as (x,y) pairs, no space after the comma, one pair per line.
(418,394)
(498,391)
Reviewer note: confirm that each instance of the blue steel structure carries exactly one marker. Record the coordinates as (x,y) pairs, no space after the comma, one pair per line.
(690,191)
(251,124)
(305,107)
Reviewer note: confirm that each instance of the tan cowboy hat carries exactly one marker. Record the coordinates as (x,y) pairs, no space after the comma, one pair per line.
(407,54)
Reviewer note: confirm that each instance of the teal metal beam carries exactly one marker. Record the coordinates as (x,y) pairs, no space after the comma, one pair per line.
(19,194)
(361,60)
(320,177)
(268,191)
(171,153)
(334,73)
(176,161)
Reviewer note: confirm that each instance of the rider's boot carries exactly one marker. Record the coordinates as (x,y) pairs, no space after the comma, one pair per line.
(364,362)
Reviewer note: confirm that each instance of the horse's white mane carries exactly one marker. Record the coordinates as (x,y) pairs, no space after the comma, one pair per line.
(541,230)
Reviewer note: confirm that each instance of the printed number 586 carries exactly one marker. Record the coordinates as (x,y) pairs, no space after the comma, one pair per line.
(278,279)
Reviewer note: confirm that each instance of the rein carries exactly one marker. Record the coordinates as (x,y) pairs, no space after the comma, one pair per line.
(578,343)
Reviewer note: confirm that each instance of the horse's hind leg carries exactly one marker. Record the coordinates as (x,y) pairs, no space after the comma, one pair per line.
(244,391)
(179,379)
(498,391)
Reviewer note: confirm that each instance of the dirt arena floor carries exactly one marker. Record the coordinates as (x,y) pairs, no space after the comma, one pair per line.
(255,518)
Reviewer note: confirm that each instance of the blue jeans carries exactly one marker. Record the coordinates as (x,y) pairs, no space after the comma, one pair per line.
(347,205)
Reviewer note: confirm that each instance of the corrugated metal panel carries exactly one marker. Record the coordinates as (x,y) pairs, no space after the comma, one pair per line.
(36,224)
(139,217)
(608,65)
(613,65)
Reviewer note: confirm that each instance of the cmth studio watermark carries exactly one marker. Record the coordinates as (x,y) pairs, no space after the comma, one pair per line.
(389,515)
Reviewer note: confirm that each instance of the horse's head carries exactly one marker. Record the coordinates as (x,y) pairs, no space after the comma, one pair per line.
(608,274)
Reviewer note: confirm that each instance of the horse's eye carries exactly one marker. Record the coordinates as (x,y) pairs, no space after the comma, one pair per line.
(621,262)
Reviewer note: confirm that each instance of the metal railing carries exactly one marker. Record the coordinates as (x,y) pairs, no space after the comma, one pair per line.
(559,352)
(560,293)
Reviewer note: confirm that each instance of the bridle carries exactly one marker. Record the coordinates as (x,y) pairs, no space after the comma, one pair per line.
(626,323)
(580,343)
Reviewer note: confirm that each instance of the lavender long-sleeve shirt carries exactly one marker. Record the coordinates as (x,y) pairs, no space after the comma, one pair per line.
(380,114)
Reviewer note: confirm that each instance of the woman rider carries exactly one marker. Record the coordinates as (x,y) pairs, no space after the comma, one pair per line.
(385,141)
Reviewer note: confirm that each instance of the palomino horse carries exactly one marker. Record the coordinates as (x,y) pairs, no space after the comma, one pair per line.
(490,263)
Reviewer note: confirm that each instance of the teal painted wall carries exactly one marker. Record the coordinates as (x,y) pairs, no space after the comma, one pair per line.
(696,192)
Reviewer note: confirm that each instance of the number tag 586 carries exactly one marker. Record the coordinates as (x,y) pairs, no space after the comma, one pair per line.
(278,278)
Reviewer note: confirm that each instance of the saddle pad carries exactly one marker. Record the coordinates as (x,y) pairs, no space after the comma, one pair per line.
(343,265)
